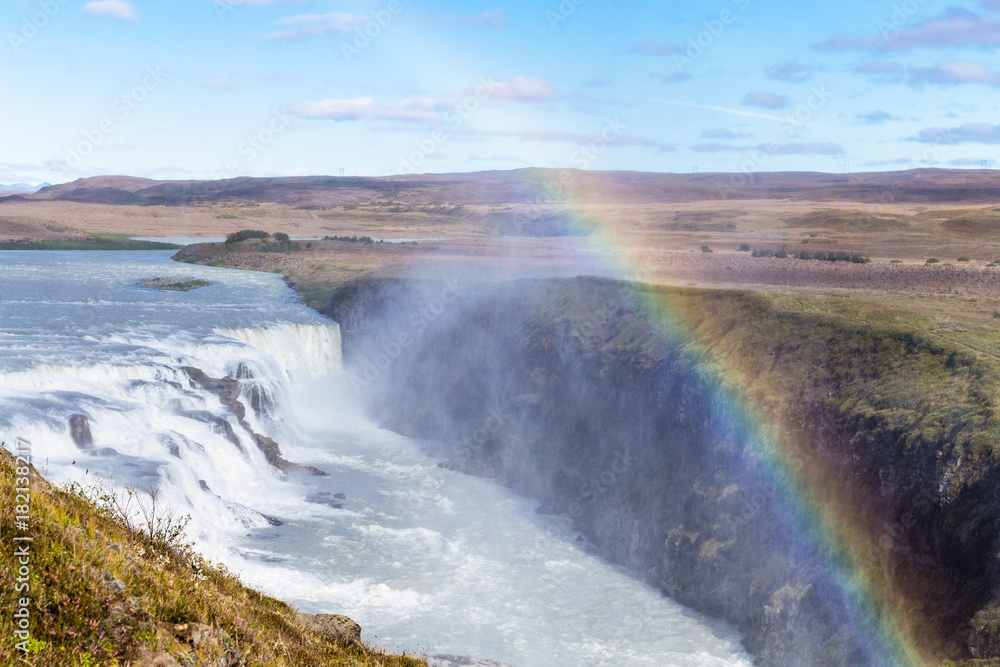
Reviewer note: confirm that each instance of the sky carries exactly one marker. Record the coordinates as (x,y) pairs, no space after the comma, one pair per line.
(193,89)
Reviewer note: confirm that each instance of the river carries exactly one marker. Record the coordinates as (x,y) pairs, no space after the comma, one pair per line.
(425,559)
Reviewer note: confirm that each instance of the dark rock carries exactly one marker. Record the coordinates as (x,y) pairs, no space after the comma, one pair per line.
(204,486)
(79,431)
(333,627)
(261,401)
(340,496)
(228,391)
(243,372)
(324,498)
(114,586)
(155,659)
(201,644)
(222,425)
(462,661)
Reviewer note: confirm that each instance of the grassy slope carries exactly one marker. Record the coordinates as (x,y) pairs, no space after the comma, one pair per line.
(77,620)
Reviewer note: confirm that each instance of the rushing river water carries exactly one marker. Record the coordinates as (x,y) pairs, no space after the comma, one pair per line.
(425,559)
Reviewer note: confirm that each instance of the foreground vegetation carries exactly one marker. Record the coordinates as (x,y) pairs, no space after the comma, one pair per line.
(106,593)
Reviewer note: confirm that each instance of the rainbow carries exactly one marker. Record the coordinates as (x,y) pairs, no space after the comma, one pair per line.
(827,523)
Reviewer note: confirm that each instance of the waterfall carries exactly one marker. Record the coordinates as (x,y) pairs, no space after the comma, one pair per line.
(150,423)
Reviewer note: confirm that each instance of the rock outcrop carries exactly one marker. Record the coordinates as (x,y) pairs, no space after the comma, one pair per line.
(79,431)
(333,627)
(228,391)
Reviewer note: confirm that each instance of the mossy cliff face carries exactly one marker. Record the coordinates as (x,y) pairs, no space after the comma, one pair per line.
(647,415)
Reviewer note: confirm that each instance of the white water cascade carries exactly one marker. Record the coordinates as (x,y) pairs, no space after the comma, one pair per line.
(425,559)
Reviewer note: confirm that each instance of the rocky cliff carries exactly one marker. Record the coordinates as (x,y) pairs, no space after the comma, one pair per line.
(752,462)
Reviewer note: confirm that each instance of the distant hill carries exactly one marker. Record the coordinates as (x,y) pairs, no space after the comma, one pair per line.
(22,187)
(543,186)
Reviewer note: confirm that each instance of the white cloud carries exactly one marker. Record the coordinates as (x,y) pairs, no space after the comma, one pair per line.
(111,9)
(414,109)
(955,73)
(492,20)
(523,89)
(305,26)
(426,109)
(976,133)
(767,100)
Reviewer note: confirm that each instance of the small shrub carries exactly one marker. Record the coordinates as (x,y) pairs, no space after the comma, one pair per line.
(964,259)
(744,247)
(282,237)
(804,255)
(245,234)
(705,248)
(934,260)
(367,240)
(781,254)
(896,261)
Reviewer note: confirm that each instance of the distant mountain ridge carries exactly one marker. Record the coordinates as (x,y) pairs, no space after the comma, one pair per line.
(542,186)
(23,187)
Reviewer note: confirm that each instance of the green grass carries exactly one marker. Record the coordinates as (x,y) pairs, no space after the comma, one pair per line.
(318,299)
(98,242)
(850,220)
(171,285)
(78,620)
(879,365)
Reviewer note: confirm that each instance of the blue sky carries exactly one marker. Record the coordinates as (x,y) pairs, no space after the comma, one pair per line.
(222,88)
